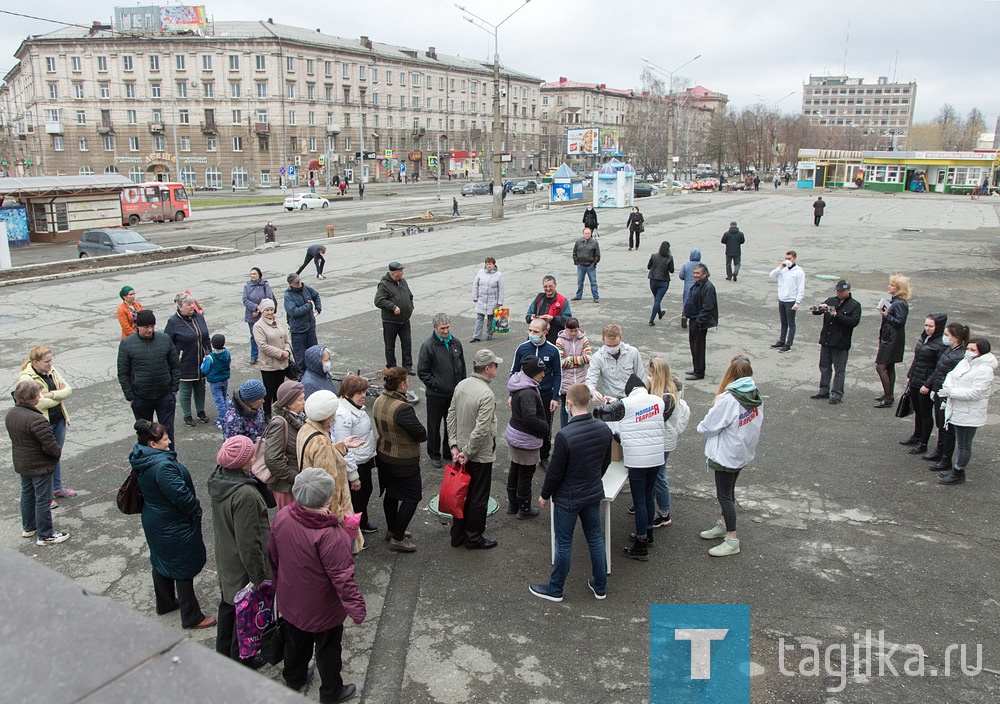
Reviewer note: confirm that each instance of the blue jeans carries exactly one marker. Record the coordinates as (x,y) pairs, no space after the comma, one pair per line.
(642,484)
(661,490)
(659,289)
(186,391)
(589,272)
(59,430)
(963,444)
(301,341)
(564,524)
(36,495)
(220,391)
(253,342)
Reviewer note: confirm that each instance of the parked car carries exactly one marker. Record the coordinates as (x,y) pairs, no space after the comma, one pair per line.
(112,240)
(305,201)
(525,187)
(642,190)
(479,188)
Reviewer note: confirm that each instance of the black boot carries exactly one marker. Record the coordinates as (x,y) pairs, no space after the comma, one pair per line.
(912,440)
(943,464)
(638,551)
(684,322)
(649,538)
(525,509)
(511,501)
(955,476)
(918,449)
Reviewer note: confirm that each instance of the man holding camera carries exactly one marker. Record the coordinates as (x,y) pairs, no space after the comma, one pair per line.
(841,314)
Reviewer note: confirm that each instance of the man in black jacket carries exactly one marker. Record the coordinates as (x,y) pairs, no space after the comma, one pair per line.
(394,299)
(580,455)
(702,312)
(440,365)
(841,314)
(733,239)
(586,256)
(149,372)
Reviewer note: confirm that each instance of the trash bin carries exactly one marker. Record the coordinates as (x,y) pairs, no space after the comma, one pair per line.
(329,230)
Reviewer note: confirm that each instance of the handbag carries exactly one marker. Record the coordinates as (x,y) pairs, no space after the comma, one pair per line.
(259,467)
(292,371)
(254,611)
(454,489)
(129,497)
(272,637)
(501,320)
(641,228)
(905,405)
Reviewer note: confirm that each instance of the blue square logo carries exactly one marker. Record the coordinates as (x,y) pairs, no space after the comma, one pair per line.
(699,654)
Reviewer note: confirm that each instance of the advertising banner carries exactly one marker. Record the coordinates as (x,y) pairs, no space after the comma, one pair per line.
(582,142)
(182,18)
(610,140)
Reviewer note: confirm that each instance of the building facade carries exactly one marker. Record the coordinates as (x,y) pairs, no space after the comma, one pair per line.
(247,104)
(883,110)
(570,105)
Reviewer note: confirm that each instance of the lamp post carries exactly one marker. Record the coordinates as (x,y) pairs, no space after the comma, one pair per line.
(440,137)
(670,105)
(361,130)
(486,26)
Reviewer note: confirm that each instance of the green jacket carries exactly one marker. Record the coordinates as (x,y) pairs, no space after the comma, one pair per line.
(239,519)
(391,294)
(472,419)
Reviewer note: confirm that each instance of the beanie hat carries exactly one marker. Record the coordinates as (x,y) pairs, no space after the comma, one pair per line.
(236,452)
(632,384)
(265,304)
(144,317)
(312,487)
(288,392)
(218,341)
(252,390)
(532,365)
(321,405)
(125,291)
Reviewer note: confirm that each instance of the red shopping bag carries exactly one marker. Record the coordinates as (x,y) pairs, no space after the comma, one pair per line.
(454,489)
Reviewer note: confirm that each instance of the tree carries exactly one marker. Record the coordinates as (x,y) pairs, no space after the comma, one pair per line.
(646,132)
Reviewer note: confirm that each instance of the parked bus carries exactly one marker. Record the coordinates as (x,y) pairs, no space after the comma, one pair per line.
(154,201)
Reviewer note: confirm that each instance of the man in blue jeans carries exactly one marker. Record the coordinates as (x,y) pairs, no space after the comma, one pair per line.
(580,455)
(586,256)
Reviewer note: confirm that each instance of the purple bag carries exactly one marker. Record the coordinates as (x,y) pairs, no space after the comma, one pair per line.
(254,606)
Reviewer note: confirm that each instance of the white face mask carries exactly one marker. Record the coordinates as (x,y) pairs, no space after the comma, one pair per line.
(970,355)
(946,340)
(612,349)
(789,263)
(326,366)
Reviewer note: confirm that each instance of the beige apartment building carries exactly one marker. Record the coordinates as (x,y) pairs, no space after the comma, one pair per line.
(881,109)
(235,102)
(571,105)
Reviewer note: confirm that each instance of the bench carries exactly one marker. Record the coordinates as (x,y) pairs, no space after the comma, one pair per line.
(614,480)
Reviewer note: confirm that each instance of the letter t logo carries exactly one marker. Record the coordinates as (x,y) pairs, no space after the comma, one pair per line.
(701,648)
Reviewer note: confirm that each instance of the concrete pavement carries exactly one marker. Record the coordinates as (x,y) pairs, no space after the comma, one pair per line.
(841,530)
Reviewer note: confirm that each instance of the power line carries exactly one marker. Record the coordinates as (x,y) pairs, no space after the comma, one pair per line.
(43,19)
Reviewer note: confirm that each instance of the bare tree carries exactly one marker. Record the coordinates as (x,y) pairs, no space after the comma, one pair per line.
(646,132)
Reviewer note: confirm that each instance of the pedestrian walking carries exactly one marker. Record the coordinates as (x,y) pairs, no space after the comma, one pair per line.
(454,206)
(841,314)
(590,219)
(315,253)
(819,206)
(255,290)
(393,298)
(361,190)
(636,226)
(777,181)
(756,183)
(891,337)
(149,372)
(488,295)
(188,331)
(54,392)
(791,290)
(734,240)
(440,366)
(586,257)
(270,230)
(660,266)
(686,274)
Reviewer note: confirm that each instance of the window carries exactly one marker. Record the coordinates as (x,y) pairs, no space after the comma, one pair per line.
(345,70)
(50,64)
(416,101)
(415,80)
(388,101)
(131,117)
(185,144)
(234,62)
(211,143)
(262,89)
(429,81)
(463,85)
(234,89)
(133,144)
(311,92)
(76,64)
(109,143)
(289,64)
(81,117)
(102,64)
(182,89)
(239,177)
(206,62)
(428,103)
(208,89)
(347,119)
(451,84)
(237,116)
(328,68)
(260,62)
(105,90)
(291,117)
(474,87)
(312,117)
(57,142)
(347,94)
(362,72)
(390,120)
(402,78)
(237,144)
(441,104)
(290,91)
(154,62)
(388,78)
(331,143)
(293,144)
(188,177)
(154,90)
(373,73)
(53,115)
(265,178)
(310,67)
(184,117)
(54,91)
(264,143)
(86,171)
(312,144)
(127,64)
(130,90)
(329,94)
(159,143)
(213,177)
(416,123)
(157,115)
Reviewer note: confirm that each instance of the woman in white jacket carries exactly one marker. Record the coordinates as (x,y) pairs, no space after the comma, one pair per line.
(487,294)
(661,382)
(966,391)
(732,429)
(352,419)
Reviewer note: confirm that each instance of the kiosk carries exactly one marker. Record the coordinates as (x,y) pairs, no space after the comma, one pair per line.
(613,185)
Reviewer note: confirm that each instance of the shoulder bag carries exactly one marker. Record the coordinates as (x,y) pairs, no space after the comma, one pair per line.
(129,497)
(259,468)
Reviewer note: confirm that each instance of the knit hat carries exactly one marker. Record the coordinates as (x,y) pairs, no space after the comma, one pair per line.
(265,304)
(632,384)
(321,405)
(124,291)
(288,392)
(252,390)
(532,365)
(236,452)
(218,341)
(260,274)
(313,487)
(144,317)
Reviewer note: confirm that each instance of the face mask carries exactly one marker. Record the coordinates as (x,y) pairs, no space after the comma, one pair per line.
(946,340)
(534,338)
(326,366)
(612,349)
(789,263)
(970,355)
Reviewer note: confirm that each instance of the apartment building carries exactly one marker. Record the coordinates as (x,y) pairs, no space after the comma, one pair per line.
(236,102)
(880,108)
(571,105)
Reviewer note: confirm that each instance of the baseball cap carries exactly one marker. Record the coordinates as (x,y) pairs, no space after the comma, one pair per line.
(484,358)
(395,266)
(294,278)
(843,285)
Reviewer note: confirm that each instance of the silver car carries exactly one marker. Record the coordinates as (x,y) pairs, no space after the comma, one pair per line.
(115,240)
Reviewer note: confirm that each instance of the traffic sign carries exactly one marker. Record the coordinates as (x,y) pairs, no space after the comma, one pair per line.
(282,170)
(322,160)
(432,161)
(402,168)
(388,153)
(291,170)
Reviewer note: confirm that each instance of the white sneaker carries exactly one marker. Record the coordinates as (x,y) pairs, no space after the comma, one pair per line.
(716,531)
(55,539)
(728,546)
(28,533)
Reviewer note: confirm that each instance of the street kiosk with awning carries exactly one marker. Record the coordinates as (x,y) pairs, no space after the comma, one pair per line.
(61,208)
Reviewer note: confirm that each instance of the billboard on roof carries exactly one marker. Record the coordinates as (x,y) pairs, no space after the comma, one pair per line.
(154,18)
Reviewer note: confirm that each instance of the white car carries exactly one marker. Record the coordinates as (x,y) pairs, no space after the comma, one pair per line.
(305,201)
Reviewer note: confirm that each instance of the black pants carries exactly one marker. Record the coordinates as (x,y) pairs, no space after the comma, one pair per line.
(547,440)
(633,233)
(946,434)
(696,341)
(923,414)
(732,266)
(272,380)
(816,219)
(298,651)
(471,527)
(519,478)
(725,492)
(398,515)
(172,594)
(437,413)
(320,263)
(787,317)
(226,642)
(165,408)
(390,331)
(359,498)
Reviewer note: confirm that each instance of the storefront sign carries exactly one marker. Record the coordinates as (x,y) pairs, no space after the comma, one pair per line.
(416,156)
(129,159)
(161,156)
(194,159)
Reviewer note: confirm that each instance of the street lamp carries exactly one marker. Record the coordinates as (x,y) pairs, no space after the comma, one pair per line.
(361,128)
(440,137)
(670,105)
(484,25)
(774,103)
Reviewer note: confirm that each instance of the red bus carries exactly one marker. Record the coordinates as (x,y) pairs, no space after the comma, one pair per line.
(154,201)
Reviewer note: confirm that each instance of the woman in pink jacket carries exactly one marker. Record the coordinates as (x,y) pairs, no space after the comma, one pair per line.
(574,357)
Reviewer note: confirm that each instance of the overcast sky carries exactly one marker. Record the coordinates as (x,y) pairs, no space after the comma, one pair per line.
(747,47)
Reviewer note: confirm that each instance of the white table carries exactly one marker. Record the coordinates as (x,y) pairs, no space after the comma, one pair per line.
(614,480)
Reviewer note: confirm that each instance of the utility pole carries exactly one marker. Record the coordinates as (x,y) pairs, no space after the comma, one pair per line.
(670,106)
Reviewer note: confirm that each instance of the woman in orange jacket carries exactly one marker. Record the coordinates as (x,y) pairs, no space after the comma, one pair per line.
(128,310)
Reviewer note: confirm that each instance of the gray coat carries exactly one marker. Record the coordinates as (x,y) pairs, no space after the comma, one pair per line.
(487,291)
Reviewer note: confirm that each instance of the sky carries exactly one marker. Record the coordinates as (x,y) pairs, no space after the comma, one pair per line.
(754,51)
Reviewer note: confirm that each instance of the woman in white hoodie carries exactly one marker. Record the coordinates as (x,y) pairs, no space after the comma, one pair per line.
(732,428)
(352,419)
(966,391)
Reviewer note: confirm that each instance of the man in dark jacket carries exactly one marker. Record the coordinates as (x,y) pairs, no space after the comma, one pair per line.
(149,372)
(733,239)
(394,299)
(440,365)
(551,306)
(841,314)
(702,312)
(586,256)
(818,207)
(581,454)
(302,305)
